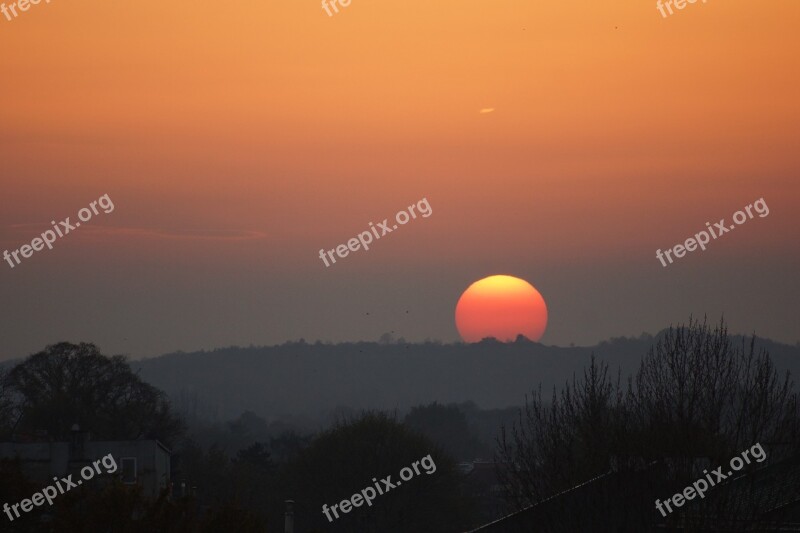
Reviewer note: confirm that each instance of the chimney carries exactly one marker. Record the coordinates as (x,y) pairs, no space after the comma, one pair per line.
(288,524)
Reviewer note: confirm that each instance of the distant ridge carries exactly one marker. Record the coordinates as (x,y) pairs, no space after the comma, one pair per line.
(301,379)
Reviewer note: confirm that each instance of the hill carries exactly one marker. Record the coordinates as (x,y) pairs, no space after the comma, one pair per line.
(313,380)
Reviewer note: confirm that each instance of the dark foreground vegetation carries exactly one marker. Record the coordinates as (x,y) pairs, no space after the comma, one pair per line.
(698,398)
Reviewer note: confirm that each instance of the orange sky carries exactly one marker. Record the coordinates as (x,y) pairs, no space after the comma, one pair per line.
(614,132)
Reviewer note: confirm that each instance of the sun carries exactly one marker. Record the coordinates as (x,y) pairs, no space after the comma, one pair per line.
(502,307)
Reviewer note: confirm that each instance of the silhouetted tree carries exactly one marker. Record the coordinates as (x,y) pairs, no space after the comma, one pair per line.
(553,447)
(254,475)
(69,384)
(7,411)
(344,460)
(287,445)
(447,427)
(695,402)
(698,395)
(249,425)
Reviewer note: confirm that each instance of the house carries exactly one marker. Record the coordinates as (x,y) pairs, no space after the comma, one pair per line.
(139,462)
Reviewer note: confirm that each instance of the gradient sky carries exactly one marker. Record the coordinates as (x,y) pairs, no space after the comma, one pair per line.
(236,140)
